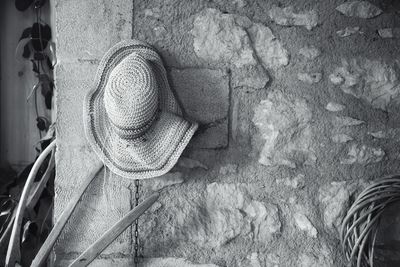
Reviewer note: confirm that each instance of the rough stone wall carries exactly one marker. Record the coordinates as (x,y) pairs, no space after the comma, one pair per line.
(298,105)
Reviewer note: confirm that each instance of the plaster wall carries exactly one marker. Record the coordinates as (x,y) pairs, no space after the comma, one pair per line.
(19,134)
(298,105)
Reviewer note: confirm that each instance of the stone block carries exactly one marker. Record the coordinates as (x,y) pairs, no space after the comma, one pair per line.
(322,258)
(285,125)
(359,9)
(87,29)
(363,154)
(309,78)
(233,212)
(373,81)
(204,95)
(310,52)
(229,212)
(348,31)
(235,40)
(221,37)
(73,81)
(304,224)
(255,77)
(334,107)
(335,199)
(389,32)
(268,48)
(287,17)
(158,23)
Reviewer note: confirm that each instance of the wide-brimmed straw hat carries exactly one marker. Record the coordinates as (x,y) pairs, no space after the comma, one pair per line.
(132,119)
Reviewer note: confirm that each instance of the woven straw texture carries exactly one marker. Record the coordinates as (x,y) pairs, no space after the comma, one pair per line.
(131,117)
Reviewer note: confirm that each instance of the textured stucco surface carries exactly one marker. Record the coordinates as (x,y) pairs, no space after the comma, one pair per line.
(85,30)
(298,103)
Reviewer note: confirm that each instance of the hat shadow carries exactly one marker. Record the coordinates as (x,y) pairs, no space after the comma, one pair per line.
(202,127)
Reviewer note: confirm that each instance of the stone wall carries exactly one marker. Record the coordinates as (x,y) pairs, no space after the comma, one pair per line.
(298,106)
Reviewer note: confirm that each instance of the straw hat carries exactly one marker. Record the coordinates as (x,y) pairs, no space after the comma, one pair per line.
(132,119)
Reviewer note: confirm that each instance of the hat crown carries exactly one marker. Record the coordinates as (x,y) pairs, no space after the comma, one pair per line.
(131,96)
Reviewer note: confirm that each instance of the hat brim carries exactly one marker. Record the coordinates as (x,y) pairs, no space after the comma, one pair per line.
(156,151)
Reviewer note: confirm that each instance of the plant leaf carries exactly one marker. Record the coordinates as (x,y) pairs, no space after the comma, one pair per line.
(34,88)
(6,208)
(47,84)
(42,123)
(26,33)
(38,56)
(35,67)
(30,230)
(27,51)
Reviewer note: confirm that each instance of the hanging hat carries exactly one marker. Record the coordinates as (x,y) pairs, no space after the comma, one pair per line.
(132,119)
